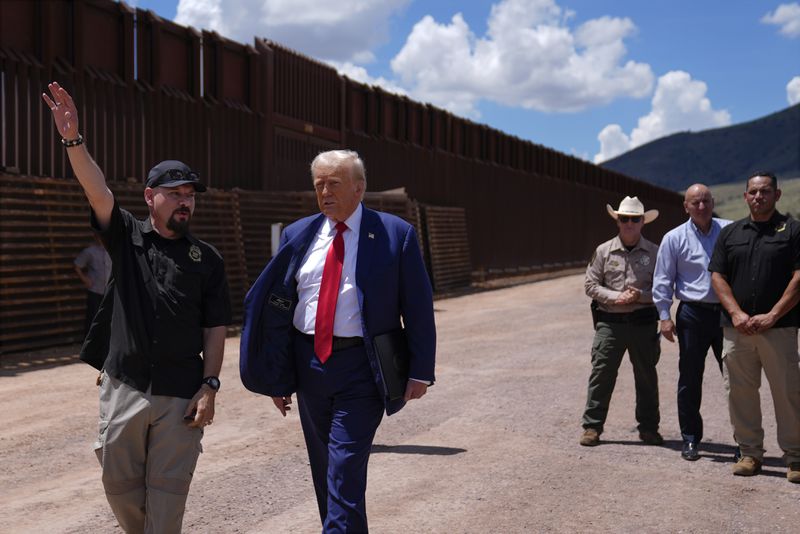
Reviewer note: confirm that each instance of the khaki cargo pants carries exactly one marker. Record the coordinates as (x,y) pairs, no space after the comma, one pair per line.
(744,357)
(148,455)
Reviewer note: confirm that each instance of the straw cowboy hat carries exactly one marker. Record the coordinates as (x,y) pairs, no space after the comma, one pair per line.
(632,207)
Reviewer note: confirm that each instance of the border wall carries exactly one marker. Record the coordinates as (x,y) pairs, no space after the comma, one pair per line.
(249,118)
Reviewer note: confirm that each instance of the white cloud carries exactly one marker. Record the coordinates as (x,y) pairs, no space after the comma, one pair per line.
(360,74)
(529,58)
(787,16)
(346,30)
(580,154)
(793,91)
(613,141)
(679,104)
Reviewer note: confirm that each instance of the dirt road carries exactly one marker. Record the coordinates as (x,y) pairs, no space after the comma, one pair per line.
(493,447)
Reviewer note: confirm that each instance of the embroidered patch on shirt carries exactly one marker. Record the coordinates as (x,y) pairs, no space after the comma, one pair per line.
(645,260)
(195,253)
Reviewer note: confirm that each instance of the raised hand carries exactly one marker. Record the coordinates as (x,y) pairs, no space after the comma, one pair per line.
(65,114)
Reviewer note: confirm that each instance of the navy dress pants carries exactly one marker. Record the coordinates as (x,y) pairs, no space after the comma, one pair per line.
(698,330)
(340,410)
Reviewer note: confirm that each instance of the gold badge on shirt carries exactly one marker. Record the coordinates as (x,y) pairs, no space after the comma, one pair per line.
(195,253)
(781,227)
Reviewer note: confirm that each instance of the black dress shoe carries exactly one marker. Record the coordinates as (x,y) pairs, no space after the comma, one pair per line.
(689,451)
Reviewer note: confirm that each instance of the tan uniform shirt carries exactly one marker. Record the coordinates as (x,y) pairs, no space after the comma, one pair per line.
(612,269)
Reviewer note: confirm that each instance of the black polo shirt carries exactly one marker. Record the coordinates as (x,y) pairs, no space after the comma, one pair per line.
(759,259)
(162,294)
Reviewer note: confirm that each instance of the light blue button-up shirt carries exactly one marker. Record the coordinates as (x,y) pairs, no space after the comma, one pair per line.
(682,266)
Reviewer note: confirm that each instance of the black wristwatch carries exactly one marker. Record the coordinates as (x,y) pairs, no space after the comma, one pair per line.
(212,382)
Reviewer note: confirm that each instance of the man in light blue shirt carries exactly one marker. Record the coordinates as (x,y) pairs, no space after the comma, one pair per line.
(682,270)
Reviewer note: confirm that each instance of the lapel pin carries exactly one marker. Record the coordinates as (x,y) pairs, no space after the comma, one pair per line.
(371,235)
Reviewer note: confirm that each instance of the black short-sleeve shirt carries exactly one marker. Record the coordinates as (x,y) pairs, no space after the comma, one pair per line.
(758,260)
(162,294)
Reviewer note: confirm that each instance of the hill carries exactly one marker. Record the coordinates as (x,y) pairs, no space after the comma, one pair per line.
(721,155)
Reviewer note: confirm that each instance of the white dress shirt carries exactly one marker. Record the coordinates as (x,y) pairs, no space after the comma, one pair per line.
(347,322)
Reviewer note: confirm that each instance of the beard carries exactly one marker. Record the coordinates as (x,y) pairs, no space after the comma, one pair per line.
(181,228)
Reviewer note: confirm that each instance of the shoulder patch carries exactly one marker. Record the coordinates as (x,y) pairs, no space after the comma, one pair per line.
(195,254)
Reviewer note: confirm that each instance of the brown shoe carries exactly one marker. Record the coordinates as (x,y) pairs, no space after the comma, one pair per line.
(590,437)
(793,474)
(651,437)
(747,466)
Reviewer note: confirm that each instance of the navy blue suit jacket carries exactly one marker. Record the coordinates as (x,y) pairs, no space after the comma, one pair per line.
(391,281)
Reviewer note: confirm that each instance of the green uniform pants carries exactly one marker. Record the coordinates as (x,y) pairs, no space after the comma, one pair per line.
(611,340)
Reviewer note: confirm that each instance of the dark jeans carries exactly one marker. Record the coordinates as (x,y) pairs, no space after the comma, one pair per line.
(93,301)
(611,340)
(698,330)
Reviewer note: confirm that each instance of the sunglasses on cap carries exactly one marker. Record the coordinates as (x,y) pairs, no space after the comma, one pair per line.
(175,177)
(177,174)
(632,218)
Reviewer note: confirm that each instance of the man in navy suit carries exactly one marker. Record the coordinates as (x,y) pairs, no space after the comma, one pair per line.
(339,279)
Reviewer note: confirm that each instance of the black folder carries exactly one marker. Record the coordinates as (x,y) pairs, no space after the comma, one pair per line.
(393,360)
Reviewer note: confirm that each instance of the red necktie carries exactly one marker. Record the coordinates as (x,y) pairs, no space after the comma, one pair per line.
(328,293)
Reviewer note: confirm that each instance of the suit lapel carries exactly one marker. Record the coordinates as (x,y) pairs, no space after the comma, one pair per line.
(299,244)
(366,247)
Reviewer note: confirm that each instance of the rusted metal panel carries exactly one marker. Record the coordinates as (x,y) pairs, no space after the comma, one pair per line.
(168,54)
(20,25)
(448,244)
(356,106)
(306,89)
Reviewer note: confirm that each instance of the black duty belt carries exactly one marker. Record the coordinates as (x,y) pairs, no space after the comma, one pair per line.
(339,343)
(705,305)
(641,316)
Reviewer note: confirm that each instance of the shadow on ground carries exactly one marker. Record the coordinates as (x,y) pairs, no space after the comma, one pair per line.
(417,449)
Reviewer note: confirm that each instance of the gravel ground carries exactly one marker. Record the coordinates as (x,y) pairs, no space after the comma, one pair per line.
(493,447)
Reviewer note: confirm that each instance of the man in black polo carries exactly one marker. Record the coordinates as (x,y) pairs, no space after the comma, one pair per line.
(755,271)
(167,302)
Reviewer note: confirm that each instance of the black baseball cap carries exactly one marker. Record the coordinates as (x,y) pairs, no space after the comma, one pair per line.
(172,173)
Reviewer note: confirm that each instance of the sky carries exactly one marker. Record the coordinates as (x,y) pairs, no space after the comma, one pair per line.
(590,78)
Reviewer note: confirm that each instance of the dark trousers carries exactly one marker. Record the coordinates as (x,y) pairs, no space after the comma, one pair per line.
(698,330)
(611,340)
(340,410)
(93,301)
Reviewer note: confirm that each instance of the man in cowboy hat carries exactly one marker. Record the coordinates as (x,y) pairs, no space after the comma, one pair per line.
(619,279)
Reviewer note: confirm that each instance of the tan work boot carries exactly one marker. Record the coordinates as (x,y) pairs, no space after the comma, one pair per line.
(793,474)
(590,437)
(747,466)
